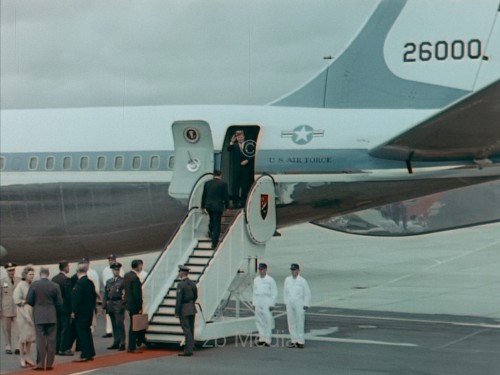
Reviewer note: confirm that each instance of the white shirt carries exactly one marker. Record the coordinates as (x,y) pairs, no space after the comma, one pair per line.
(94,277)
(297,291)
(265,291)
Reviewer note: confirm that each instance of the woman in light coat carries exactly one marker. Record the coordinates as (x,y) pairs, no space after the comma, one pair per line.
(26,326)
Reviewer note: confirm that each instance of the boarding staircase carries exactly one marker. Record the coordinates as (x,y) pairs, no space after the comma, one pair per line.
(221,273)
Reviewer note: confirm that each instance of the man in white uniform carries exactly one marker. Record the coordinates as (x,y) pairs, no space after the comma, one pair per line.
(107,274)
(264,298)
(297,297)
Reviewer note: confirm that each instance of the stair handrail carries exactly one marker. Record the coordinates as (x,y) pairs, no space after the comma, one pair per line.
(165,271)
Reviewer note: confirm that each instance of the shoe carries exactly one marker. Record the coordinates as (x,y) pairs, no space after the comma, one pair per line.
(107,335)
(262,343)
(291,345)
(31,364)
(17,351)
(8,351)
(38,369)
(121,348)
(112,347)
(80,360)
(24,365)
(135,351)
(300,346)
(185,354)
(49,368)
(67,353)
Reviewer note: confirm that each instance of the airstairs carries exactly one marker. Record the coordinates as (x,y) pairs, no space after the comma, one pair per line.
(223,275)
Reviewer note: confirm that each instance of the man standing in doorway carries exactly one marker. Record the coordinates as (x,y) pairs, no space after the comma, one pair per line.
(265,292)
(185,310)
(297,298)
(241,169)
(215,198)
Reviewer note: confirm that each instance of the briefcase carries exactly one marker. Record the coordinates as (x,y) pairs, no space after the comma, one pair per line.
(140,322)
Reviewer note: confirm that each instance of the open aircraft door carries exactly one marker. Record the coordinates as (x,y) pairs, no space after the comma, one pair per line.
(194,156)
(261,210)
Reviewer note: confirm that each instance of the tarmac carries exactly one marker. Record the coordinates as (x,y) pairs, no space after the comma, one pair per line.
(416,305)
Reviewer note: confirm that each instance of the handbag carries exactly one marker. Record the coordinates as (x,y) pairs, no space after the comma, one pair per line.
(140,322)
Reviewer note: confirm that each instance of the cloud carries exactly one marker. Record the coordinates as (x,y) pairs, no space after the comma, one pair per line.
(69,53)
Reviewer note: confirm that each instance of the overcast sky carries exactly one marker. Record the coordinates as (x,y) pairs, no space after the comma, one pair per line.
(67,53)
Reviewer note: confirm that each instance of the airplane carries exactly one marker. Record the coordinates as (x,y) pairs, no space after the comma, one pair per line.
(404,111)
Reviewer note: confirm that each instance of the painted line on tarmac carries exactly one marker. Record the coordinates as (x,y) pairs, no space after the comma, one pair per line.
(346,341)
(461,324)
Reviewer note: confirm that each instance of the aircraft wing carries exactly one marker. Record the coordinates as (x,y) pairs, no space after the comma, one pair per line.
(468,129)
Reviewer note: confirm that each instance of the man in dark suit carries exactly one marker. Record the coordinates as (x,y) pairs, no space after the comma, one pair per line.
(45,297)
(63,342)
(83,304)
(114,306)
(185,309)
(241,169)
(215,198)
(133,302)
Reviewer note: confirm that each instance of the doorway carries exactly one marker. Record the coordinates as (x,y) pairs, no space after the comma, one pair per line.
(239,177)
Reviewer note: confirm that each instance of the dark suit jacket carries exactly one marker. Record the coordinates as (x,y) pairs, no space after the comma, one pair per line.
(45,297)
(187,294)
(237,156)
(133,292)
(66,288)
(215,195)
(83,299)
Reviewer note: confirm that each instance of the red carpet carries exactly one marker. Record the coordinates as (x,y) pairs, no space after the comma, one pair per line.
(100,361)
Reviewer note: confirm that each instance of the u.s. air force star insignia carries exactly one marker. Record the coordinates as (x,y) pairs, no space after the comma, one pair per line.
(302,134)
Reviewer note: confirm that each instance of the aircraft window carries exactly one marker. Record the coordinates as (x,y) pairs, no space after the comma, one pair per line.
(84,162)
(136,162)
(49,163)
(67,162)
(33,162)
(101,162)
(154,163)
(171,162)
(2,163)
(118,162)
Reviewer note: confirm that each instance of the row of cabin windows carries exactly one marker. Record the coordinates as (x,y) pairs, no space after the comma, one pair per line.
(84,163)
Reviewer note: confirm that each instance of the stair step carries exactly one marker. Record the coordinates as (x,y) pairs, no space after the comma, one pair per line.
(203,253)
(164,337)
(170,302)
(202,245)
(162,328)
(166,310)
(161,319)
(198,261)
(195,269)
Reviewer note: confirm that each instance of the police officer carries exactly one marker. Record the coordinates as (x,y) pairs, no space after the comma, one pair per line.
(114,306)
(265,292)
(185,310)
(297,298)
(8,309)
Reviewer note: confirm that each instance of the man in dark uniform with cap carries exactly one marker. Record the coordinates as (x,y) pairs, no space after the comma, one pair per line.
(185,310)
(114,306)
(215,198)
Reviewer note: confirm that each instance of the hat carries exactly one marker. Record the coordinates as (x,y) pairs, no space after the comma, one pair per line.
(294,266)
(10,266)
(262,266)
(116,266)
(112,256)
(183,268)
(84,260)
